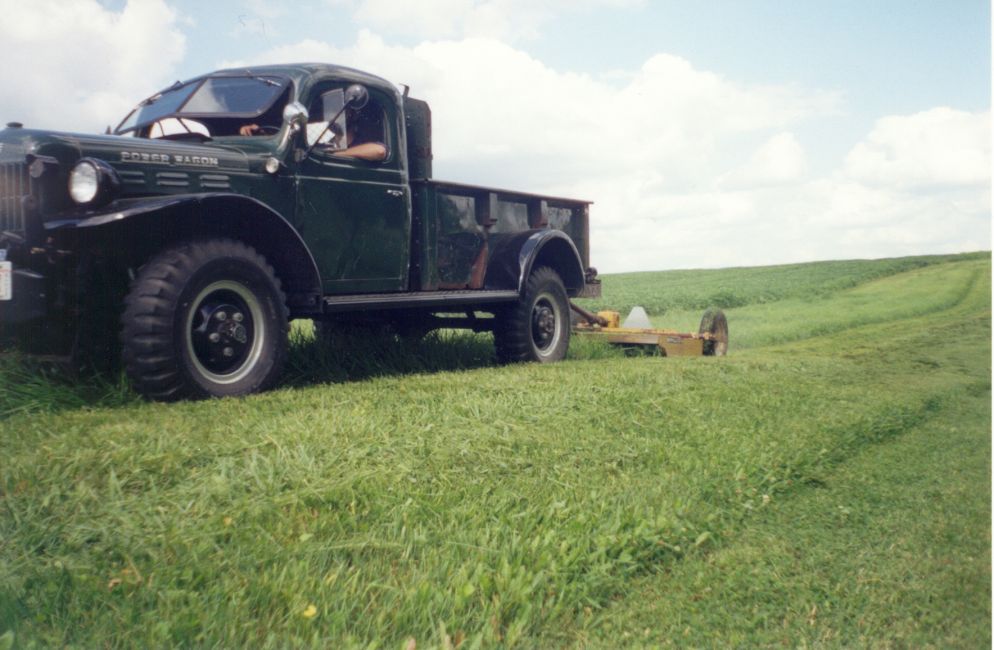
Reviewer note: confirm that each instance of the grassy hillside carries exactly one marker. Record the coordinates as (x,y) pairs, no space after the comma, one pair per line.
(389,494)
(696,290)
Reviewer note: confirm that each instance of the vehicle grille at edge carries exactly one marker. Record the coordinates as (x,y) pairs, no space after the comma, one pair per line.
(15,186)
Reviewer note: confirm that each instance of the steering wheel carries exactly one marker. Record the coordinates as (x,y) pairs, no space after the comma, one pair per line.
(266,129)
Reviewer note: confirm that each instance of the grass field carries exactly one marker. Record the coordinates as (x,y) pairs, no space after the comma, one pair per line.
(827,484)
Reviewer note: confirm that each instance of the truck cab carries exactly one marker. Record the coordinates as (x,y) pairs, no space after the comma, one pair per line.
(223,207)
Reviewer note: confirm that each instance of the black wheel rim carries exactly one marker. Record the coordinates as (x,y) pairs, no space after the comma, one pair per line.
(225,331)
(545,324)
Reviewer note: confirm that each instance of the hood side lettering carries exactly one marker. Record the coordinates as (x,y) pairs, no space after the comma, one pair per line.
(207,161)
(173,159)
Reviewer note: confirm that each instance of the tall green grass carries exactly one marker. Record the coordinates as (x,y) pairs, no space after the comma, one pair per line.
(892,299)
(889,549)
(661,292)
(441,499)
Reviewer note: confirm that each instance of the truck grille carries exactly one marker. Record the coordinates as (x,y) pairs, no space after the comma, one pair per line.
(15,186)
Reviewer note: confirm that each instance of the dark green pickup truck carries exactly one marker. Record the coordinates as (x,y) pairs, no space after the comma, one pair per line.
(223,207)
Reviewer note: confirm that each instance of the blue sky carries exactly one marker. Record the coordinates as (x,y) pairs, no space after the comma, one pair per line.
(885,56)
(891,54)
(708,134)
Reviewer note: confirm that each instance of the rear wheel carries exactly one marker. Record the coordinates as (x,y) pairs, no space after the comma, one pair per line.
(205,319)
(537,327)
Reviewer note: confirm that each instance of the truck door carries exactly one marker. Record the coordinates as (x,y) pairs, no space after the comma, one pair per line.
(355,214)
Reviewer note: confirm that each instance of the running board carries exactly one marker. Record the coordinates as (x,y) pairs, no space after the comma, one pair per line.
(417,299)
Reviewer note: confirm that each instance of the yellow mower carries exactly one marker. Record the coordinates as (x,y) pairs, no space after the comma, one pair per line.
(711,339)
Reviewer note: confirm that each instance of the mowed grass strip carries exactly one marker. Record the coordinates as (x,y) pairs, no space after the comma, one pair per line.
(662,292)
(887,301)
(890,549)
(486,506)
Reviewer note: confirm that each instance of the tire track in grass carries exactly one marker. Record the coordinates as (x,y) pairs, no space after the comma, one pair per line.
(891,549)
(907,295)
(755,586)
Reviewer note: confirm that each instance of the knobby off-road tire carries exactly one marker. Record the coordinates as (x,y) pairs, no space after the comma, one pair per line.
(204,319)
(713,322)
(537,327)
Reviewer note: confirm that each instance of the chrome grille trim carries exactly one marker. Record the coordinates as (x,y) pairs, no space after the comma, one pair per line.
(173,179)
(15,186)
(131,177)
(215,181)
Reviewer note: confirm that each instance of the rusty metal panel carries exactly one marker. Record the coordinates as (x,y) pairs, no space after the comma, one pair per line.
(632,338)
(591,290)
(677,346)
(669,342)
(538,213)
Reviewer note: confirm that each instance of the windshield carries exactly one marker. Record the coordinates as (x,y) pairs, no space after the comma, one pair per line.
(246,96)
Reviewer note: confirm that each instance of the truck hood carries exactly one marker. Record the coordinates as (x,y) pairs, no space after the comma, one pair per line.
(126,153)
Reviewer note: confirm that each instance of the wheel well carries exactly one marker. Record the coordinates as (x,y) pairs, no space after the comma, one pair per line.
(559,255)
(140,236)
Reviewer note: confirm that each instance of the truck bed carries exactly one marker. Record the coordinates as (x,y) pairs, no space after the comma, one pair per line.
(454,227)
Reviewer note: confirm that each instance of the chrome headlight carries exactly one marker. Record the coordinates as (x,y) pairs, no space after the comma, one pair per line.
(93,182)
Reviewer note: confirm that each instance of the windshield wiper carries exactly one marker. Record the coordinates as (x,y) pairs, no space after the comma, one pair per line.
(157,96)
(264,80)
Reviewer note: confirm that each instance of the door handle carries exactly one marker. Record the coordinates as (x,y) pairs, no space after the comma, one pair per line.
(395,192)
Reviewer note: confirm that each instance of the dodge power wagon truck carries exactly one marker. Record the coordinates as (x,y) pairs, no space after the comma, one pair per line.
(223,207)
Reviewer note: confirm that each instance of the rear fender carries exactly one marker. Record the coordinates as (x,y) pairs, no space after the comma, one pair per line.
(137,228)
(513,256)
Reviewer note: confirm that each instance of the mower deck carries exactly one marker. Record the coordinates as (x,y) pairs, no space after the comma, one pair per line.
(710,340)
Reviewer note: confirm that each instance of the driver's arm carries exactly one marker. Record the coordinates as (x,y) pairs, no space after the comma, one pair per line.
(248,129)
(372,151)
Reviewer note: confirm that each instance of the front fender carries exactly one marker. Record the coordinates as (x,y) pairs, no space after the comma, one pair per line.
(122,209)
(513,256)
(148,223)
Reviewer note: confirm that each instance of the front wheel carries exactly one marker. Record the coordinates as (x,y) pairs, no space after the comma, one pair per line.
(205,319)
(537,327)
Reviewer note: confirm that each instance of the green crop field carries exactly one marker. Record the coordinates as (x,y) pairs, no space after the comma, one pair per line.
(827,484)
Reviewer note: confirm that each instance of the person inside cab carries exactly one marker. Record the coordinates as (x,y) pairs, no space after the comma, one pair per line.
(362,138)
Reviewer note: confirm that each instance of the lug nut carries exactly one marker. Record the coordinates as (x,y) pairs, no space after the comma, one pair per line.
(220,315)
(238,316)
(214,337)
(228,352)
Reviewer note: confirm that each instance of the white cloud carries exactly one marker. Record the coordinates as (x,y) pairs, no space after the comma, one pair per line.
(779,160)
(940,146)
(76,65)
(687,168)
(551,127)
(660,150)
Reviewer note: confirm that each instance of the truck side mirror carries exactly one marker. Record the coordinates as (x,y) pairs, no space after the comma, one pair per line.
(356,96)
(296,115)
